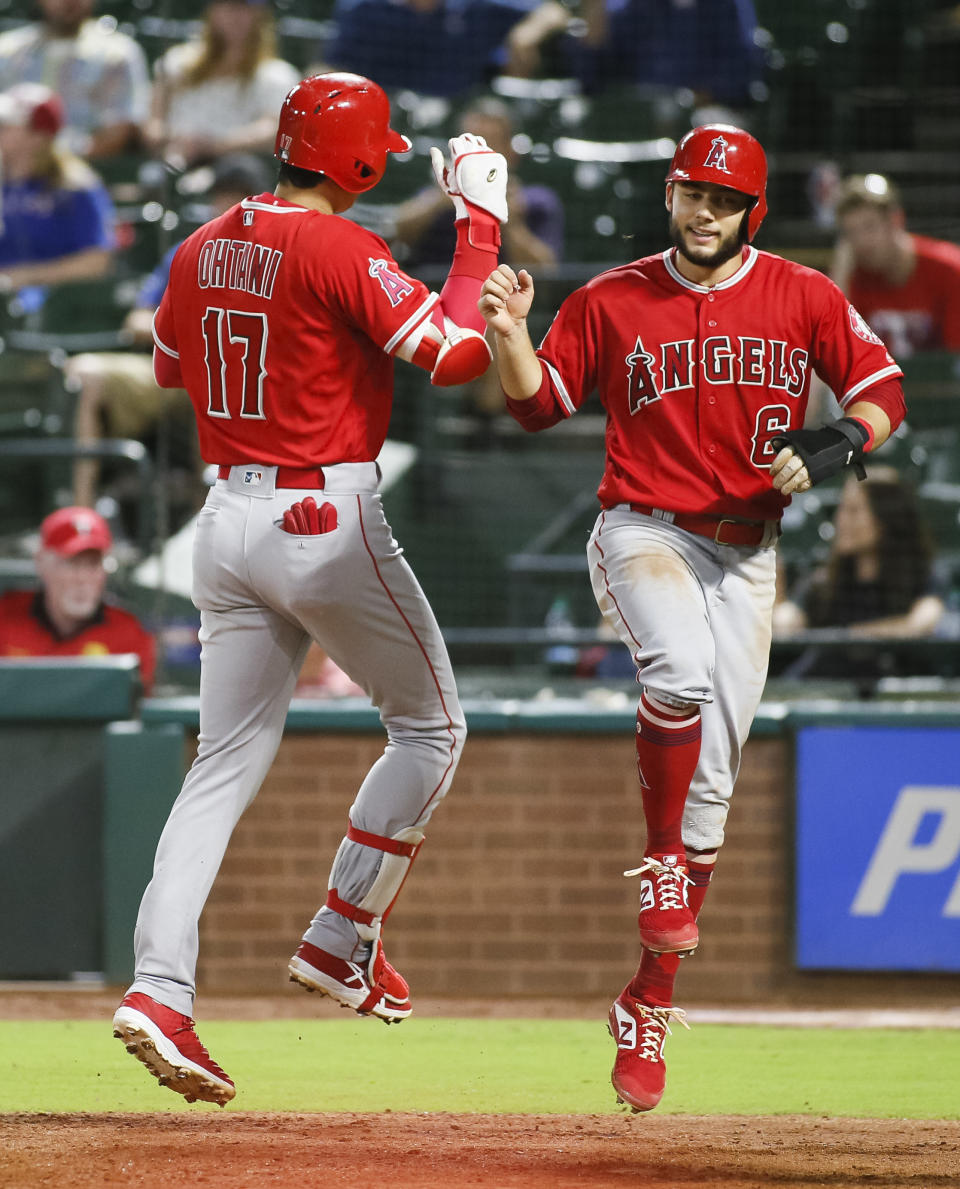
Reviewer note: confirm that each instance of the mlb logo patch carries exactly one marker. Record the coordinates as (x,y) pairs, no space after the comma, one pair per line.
(252,478)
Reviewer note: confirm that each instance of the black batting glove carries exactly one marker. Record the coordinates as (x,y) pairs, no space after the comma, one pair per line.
(827,450)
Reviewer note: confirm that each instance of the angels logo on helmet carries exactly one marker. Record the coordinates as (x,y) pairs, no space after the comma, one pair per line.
(717,157)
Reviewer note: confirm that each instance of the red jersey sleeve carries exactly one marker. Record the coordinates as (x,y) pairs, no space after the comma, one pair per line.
(166,357)
(568,361)
(847,353)
(371,292)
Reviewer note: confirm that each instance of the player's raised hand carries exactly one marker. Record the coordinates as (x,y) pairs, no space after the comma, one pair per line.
(505,298)
(789,473)
(474,176)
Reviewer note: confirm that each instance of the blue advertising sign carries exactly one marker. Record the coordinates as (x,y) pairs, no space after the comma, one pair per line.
(878,848)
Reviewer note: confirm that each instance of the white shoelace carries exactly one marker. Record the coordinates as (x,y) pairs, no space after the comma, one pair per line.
(655,1028)
(671,882)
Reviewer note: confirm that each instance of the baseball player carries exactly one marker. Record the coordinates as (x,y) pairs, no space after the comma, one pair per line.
(282,321)
(702,356)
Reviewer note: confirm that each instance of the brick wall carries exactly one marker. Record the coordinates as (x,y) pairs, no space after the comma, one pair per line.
(518,889)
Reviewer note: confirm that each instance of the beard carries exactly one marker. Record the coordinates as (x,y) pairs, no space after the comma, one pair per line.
(722,251)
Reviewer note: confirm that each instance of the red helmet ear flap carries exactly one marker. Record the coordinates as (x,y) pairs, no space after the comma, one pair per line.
(725,156)
(338,124)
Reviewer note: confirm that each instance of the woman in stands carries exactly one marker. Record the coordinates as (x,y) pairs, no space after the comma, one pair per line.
(220,93)
(880,579)
(57,217)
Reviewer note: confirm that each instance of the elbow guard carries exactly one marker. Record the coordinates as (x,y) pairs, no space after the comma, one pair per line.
(464,355)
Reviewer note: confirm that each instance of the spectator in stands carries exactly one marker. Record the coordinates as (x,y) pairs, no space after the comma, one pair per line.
(220,93)
(879,579)
(100,75)
(906,286)
(426,234)
(534,234)
(442,47)
(706,47)
(57,217)
(68,616)
(116,393)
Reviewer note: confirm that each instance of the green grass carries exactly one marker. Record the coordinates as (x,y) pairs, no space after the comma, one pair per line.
(502,1066)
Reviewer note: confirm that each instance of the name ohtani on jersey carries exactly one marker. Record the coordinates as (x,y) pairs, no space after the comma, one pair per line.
(722,360)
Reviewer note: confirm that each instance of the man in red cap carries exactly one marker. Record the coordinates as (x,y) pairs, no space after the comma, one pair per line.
(67,616)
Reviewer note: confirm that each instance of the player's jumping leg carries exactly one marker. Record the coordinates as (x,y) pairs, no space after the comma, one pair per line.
(668,748)
(641,1014)
(387,639)
(647,582)
(253,656)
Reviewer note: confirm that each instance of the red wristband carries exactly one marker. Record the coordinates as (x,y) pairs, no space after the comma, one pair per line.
(870,434)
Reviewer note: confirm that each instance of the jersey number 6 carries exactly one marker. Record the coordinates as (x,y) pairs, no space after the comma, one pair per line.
(771,420)
(236,365)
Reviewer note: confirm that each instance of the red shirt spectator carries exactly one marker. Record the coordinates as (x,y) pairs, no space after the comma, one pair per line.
(67,616)
(906,286)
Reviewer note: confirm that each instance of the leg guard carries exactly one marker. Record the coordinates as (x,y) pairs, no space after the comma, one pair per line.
(370,911)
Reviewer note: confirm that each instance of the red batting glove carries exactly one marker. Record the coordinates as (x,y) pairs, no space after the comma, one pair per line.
(295,520)
(305,519)
(328,518)
(312,517)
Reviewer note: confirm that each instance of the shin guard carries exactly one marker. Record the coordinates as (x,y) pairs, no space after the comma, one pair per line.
(399,851)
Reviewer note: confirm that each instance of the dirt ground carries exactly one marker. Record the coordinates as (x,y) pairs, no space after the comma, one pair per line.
(237,1150)
(233,1150)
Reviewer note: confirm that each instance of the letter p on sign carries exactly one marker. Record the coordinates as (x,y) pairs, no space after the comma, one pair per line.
(899,853)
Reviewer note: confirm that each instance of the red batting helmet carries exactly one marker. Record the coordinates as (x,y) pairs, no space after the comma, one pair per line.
(338,125)
(725,156)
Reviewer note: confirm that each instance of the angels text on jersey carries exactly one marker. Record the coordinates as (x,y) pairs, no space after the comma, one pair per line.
(722,360)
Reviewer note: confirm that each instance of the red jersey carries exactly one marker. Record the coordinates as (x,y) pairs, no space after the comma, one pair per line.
(283,322)
(26,631)
(696,381)
(923,314)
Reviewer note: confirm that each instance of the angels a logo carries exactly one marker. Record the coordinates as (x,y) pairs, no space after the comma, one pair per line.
(395,286)
(642,387)
(717,157)
(861,329)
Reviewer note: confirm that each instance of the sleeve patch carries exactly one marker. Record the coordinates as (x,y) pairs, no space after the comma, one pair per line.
(860,328)
(395,286)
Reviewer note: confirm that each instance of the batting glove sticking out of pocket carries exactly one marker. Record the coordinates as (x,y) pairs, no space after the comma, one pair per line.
(305,519)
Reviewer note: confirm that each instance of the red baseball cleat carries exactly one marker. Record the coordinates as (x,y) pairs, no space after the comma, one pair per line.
(667,926)
(639,1072)
(376,990)
(166,1043)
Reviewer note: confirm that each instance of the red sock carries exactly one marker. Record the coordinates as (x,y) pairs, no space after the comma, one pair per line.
(668,748)
(653,982)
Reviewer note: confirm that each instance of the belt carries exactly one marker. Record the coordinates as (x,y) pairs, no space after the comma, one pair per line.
(720,529)
(306,477)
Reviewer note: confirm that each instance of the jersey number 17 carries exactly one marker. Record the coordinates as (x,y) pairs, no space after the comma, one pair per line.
(235,354)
